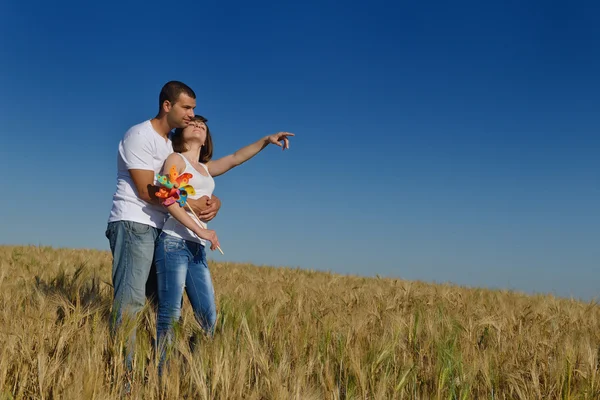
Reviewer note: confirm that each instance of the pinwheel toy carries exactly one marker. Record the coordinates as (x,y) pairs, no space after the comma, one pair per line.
(176,188)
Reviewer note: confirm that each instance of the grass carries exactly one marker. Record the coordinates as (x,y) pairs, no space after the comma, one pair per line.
(293,334)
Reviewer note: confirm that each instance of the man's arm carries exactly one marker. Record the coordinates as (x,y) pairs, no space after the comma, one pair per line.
(144,183)
(144,179)
(206,208)
(137,153)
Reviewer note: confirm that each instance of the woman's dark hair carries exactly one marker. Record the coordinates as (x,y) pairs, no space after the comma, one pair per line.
(205,152)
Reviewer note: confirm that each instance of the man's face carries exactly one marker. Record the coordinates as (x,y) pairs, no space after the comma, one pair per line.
(181,113)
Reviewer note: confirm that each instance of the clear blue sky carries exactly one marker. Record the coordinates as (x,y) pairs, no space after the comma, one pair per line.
(446,141)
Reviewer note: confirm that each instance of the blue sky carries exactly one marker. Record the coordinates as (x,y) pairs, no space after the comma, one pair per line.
(435,141)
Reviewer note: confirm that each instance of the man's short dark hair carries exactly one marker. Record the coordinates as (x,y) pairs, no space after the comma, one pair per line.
(171,91)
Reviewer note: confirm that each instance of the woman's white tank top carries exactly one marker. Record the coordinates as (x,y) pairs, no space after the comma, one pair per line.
(204,186)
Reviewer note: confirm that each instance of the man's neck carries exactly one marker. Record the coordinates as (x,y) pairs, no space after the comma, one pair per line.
(161,126)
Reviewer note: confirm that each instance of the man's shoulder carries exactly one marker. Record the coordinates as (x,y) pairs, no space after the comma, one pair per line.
(143,128)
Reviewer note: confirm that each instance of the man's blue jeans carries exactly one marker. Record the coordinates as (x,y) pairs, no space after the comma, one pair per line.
(181,264)
(132,245)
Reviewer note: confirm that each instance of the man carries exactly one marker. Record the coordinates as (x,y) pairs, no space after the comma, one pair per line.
(137,216)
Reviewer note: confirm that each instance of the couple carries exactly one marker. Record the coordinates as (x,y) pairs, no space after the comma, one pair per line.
(160,250)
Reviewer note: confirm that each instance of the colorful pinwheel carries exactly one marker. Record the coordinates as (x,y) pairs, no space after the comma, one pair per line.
(176,188)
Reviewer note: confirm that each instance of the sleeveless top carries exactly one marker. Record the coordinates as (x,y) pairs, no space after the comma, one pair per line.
(204,186)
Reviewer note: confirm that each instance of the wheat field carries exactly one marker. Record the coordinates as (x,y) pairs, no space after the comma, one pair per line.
(292,334)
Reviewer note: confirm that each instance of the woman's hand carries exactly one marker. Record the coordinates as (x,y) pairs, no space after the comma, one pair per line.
(210,235)
(280,137)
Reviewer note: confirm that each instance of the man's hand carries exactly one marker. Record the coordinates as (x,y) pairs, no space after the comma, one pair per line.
(206,208)
(213,207)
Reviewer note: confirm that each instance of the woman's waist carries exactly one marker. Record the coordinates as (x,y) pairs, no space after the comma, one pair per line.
(176,229)
(172,223)
(173,240)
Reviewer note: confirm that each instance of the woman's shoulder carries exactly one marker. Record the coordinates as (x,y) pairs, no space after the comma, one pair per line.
(175,159)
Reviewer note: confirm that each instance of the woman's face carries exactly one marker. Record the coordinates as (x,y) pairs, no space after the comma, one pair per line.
(195,131)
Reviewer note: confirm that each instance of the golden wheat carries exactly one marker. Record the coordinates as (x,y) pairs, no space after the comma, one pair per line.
(292,334)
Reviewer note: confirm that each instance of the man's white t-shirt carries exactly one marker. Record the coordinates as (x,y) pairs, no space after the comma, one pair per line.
(141,148)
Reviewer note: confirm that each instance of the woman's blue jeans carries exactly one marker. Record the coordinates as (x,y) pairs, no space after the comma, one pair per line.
(181,264)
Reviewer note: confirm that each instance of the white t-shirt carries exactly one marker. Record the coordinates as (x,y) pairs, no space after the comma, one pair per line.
(203,186)
(141,148)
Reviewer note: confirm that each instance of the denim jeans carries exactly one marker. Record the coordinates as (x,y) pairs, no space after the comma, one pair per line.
(181,264)
(132,245)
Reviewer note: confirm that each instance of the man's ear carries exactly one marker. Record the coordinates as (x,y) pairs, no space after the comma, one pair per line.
(166,106)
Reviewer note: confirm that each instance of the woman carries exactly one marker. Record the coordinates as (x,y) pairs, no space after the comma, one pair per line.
(180,254)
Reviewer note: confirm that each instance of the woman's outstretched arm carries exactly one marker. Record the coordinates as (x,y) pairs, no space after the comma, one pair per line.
(224,164)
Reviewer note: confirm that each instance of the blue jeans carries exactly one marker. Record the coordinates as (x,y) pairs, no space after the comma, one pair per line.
(132,245)
(181,264)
